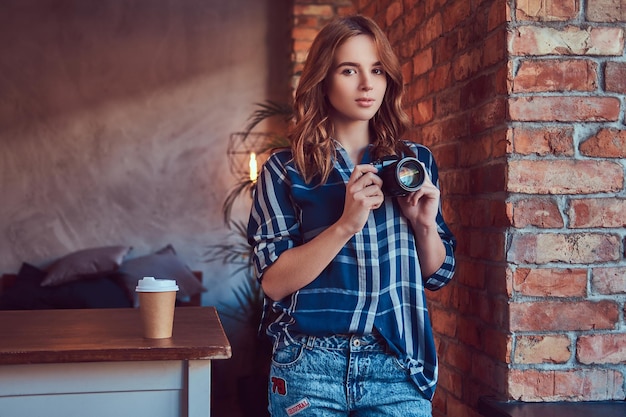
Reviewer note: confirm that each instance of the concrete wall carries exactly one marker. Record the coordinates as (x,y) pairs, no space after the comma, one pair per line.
(115,117)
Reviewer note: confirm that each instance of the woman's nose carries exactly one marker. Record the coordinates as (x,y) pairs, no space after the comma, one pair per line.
(366,83)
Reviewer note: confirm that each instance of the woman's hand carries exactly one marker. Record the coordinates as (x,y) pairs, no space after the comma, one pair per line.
(363,194)
(300,265)
(421,207)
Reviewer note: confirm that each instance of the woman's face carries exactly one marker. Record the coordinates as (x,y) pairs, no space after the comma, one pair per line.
(356,82)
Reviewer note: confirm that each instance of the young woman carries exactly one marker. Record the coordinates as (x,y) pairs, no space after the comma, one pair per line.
(343,266)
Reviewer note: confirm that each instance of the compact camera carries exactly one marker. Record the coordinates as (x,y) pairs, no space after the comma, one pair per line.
(400,176)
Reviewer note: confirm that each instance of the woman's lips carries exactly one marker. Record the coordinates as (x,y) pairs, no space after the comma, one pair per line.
(365,102)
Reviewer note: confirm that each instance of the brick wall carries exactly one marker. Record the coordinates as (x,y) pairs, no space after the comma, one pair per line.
(309,17)
(523,104)
(455,67)
(566,202)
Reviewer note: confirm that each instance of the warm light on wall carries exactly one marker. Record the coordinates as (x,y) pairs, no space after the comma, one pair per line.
(253,167)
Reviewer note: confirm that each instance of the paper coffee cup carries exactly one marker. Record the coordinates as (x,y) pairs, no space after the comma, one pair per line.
(157,299)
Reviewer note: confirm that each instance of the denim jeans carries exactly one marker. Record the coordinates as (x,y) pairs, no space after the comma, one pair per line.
(342,376)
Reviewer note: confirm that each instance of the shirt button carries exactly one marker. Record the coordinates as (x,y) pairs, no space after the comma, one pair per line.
(356,343)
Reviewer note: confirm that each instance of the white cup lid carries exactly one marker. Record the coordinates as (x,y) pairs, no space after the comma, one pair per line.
(151,284)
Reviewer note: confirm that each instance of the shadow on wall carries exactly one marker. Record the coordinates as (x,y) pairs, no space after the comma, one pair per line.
(115,118)
(64,56)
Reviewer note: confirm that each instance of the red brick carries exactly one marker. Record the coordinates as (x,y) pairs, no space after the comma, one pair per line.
(497,282)
(533,211)
(307,34)
(564,176)
(448,102)
(606,11)
(444,131)
(542,248)
(609,280)
(317,10)
(484,213)
(572,40)
(301,46)
(347,10)
(564,109)
(456,407)
(413,17)
(542,349)
(607,143)
(555,75)
(444,299)
(487,116)
(422,62)
(407,75)
(469,332)
(600,212)
(439,78)
(440,402)
(432,29)
(395,33)
(485,368)
(458,356)
(478,90)
(494,51)
(418,87)
(544,141)
(530,385)
(498,16)
(548,282)
(564,315)
(589,384)
(301,21)
(466,64)
(487,245)
(570,385)
(546,10)
(601,349)
(449,379)
(499,346)
(489,178)
(455,13)
(615,77)
(443,321)
(423,111)
(394,11)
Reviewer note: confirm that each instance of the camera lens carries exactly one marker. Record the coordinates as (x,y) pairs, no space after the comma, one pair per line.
(400,177)
(410,174)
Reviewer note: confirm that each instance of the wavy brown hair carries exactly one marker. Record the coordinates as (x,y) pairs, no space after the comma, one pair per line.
(312,147)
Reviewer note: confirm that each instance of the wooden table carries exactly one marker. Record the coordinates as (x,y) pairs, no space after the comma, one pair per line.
(96,363)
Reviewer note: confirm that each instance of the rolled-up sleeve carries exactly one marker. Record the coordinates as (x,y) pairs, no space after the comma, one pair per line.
(445,273)
(273,226)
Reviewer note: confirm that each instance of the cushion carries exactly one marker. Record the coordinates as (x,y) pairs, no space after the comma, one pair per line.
(86,263)
(28,294)
(166,264)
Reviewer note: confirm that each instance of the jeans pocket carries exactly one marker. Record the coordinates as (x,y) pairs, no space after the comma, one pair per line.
(287,356)
(398,364)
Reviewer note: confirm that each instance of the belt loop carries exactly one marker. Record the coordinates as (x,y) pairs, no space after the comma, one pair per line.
(310,342)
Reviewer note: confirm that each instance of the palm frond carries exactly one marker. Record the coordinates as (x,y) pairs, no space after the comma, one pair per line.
(235,251)
(244,185)
(248,305)
(267,110)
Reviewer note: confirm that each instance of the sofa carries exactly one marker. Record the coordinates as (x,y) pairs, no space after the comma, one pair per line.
(100,277)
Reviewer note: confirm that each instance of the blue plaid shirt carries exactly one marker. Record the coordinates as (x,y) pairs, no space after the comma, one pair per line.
(373,283)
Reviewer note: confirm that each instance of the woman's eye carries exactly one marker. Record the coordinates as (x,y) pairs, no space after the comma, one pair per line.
(378,71)
(349,71)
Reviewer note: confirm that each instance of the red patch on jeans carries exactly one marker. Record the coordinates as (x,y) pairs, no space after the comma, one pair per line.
(297,407)
(279,386)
